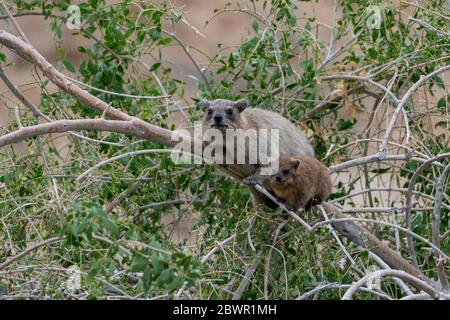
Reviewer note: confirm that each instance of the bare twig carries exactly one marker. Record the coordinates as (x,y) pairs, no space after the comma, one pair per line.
(121,156)
(249,235)
(116,93)
(430,28)
(269,257)
(172,202)
(341,245)
(401,104)
(402,190)
(362,237)
(217,248)
(14,22)
(125,194)
(30,54)
(413,234)
(183,46)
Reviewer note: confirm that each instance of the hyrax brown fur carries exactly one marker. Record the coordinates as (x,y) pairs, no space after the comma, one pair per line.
(300,181)
(224,114)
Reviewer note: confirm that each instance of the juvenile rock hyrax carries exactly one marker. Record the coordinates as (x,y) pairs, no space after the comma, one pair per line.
(225,114)
(300,182)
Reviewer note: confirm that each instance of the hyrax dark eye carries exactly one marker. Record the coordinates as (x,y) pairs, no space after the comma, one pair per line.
(285,172)
(230,111)
(210,111)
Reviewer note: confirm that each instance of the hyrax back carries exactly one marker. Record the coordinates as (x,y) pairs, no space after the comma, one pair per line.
(300,181)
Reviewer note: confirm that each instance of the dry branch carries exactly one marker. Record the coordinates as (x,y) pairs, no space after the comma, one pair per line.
(367,240)
(415,281)
(61,126)
(247,277)
(412,183)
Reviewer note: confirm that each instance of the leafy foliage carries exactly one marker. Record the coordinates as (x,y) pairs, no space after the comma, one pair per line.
(132,251)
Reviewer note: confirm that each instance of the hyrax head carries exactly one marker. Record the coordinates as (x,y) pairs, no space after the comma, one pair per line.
(284,177)
(222,114)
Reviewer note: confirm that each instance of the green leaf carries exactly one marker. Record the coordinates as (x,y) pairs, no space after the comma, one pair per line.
(155,66)
(110,226)
(344,124)
(68,65)
(139,263)
(175,284)
(164,277)
(380,170)
(442,104)
(165,41)
(255,25)
(147,279)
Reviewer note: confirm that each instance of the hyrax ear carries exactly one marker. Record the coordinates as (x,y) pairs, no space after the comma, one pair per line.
(204,104)
(241,104)
(295,163)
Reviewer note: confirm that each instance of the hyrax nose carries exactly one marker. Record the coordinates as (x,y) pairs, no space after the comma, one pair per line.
(278,178)
(218,118)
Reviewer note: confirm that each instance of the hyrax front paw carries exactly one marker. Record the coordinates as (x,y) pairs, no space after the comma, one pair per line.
(250,181)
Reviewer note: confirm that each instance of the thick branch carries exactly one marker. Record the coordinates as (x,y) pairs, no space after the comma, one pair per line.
(60,126)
